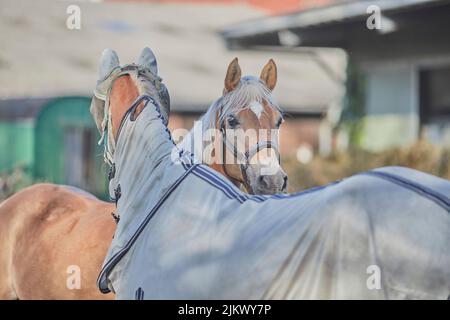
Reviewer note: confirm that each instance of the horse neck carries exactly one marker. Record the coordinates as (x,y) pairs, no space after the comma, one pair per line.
(123,94)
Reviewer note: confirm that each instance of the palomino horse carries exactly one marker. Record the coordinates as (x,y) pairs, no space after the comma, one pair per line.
(186,232)
(50,232)
(246,106)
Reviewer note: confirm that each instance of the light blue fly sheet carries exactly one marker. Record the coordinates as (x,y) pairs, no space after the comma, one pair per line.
(187,233)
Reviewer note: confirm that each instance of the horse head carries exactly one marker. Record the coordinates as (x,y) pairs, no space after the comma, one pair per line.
(117,89)
(248,120)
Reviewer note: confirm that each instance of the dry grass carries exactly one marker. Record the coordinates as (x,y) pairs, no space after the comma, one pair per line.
(12,181)
(422,156)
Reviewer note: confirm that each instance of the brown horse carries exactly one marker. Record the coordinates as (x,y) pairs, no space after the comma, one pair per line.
(53,239)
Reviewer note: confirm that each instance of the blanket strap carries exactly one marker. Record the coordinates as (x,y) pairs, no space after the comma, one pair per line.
(117,193)
(116,217)
(112,172)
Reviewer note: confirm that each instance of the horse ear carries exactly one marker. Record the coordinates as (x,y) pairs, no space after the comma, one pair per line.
(269,74)
(233,75)
(148,60)
(108,61)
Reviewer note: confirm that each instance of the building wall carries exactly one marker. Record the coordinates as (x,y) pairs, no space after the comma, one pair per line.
(60,153)
(391,104)
(16,145)
(297,131)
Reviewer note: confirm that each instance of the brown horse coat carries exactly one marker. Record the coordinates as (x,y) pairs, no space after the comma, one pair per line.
(45,230)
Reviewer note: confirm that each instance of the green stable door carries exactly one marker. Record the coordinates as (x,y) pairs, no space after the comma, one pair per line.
(65,148)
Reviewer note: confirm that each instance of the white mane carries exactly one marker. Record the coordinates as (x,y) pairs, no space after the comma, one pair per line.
(250,89)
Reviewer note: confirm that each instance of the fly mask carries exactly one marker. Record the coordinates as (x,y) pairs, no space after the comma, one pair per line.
(110,71)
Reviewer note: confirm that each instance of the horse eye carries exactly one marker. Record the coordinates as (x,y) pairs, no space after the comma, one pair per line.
(232,121)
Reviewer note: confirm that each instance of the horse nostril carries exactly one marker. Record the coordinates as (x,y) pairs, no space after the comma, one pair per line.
(285,180)
(263,182)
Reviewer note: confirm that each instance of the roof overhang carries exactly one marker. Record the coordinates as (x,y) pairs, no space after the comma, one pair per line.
(330,26)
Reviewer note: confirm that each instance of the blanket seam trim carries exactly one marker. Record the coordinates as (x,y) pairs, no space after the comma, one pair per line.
(421,190)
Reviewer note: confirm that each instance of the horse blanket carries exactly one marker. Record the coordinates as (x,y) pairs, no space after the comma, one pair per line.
(185,232)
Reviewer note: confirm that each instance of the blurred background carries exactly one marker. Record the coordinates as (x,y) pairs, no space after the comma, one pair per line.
(364,83)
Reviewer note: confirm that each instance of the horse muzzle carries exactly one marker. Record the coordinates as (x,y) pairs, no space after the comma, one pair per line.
(266,184)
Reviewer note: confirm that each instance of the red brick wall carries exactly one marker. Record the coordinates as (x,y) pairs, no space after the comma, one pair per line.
(283,6)
(295,131)
(272,6)
(298,131)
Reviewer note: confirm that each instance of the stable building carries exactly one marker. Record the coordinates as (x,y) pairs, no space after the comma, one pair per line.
(398,73)
(53,140)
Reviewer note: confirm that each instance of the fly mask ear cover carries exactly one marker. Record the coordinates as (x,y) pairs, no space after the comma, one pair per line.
(100,102)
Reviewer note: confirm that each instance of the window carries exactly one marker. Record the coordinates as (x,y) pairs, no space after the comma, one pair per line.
(435,95)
